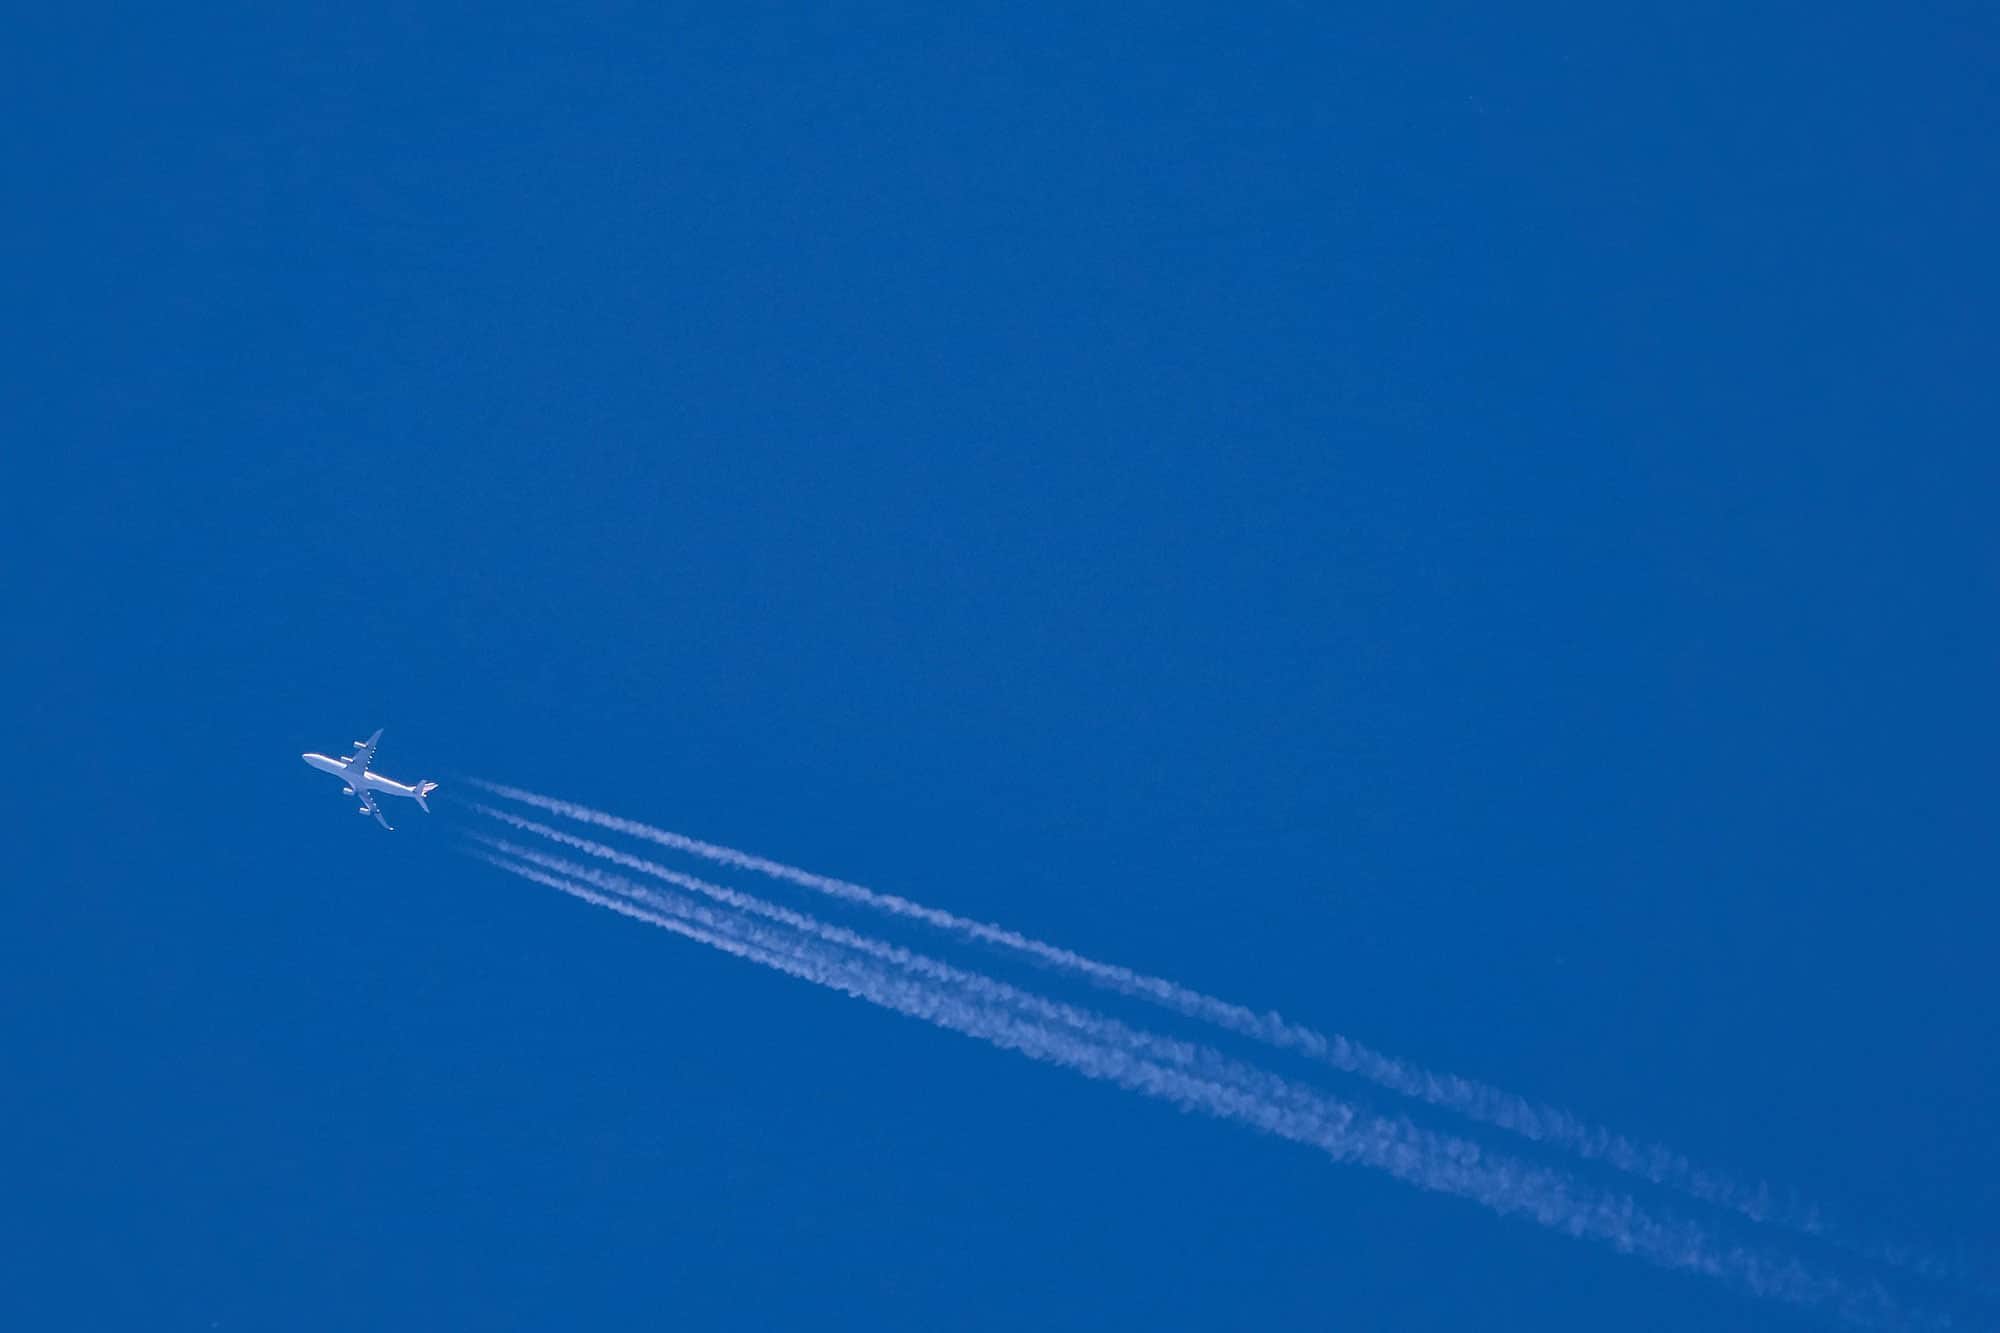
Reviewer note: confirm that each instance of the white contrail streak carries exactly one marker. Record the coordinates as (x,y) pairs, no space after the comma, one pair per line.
(1467,1097)
(1205,1061)
(981,987)
(1419,1157)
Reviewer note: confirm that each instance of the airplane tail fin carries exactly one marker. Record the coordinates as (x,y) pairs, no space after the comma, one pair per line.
(425,789)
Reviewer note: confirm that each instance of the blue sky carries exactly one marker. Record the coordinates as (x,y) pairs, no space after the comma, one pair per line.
(1473,529)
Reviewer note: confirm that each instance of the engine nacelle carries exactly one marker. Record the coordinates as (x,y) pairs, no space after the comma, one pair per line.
(347,791)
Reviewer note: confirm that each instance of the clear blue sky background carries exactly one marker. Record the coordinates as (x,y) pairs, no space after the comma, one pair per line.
(1473,528)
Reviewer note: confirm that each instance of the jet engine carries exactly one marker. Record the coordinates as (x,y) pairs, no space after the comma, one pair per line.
(347,791)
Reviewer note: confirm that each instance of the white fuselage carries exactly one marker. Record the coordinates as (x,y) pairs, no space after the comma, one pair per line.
(359,782)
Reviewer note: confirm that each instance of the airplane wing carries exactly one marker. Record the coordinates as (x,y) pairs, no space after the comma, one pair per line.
(364,751)
(368,804)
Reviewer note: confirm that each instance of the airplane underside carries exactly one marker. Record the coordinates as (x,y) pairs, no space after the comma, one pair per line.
(358,781)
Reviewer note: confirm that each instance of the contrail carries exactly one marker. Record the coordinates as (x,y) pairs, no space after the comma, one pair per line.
(1419,1157)
(1467,1097)
(1202,1060)
(978,985)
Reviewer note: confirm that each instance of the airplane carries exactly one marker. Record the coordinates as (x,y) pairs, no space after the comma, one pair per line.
(360,782)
